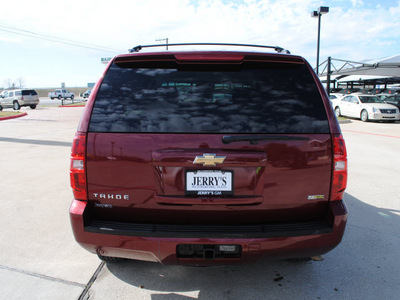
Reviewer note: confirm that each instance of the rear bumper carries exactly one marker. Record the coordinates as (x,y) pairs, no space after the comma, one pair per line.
(29,102)
(159,243)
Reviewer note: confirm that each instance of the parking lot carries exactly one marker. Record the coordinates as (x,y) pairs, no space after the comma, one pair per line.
(39,258)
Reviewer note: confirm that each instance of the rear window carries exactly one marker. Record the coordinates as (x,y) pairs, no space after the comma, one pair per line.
(245,98)
(29,92)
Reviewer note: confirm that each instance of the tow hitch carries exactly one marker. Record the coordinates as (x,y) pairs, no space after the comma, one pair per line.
(208,251)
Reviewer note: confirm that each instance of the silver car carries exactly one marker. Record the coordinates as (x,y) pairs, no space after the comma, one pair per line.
(18,98)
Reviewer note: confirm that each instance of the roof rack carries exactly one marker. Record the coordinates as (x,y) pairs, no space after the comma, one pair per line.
(276,48)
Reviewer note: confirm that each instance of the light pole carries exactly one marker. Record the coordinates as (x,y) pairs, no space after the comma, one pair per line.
(317,14)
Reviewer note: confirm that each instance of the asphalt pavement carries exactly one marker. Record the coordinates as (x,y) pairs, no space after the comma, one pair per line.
(39,258)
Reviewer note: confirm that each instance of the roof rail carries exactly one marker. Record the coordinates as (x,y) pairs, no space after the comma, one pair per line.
(276,48)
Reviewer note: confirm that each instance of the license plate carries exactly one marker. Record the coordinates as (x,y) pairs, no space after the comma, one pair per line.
(209,182)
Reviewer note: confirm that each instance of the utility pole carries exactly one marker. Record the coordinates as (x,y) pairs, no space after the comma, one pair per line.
(166,40)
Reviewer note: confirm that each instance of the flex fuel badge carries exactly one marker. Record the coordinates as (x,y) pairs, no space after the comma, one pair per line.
(315,197)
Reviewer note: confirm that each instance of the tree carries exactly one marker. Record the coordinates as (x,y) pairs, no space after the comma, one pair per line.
(8,83)
(21,82)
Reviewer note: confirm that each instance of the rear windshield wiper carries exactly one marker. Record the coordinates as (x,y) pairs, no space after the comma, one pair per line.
(253,139)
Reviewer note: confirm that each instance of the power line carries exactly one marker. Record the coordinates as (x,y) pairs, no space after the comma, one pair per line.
(54,39)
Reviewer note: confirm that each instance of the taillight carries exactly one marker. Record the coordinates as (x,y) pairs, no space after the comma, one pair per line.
(77,170)
(339,178)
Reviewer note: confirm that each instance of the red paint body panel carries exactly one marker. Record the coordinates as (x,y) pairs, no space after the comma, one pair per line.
(128,164)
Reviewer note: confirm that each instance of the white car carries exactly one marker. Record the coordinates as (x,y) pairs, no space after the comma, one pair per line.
(366,107)
(336,96)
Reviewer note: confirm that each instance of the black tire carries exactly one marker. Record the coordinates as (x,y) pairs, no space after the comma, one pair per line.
(1,108)
(59,97)
(51,98)
(32,106)
(72,97)
(364,116)
(16,105)
(299,259)
(337,112)
(110,259)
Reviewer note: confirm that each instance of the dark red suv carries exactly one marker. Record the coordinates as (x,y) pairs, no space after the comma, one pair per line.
(208,157)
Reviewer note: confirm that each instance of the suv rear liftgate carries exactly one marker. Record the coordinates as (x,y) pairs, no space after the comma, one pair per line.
(208,157)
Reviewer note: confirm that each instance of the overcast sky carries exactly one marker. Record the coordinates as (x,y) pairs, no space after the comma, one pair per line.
(353,29)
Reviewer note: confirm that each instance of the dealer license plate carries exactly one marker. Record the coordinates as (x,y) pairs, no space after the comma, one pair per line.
(209,182)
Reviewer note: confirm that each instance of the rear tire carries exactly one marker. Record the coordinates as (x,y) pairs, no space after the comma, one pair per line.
(364,115)
(72,97)
(299,259)
(110,259)
(16,105)
(1,108)
(59,97)
(32,106)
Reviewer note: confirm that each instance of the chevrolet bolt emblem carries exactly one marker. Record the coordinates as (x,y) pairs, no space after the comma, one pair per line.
(209,160)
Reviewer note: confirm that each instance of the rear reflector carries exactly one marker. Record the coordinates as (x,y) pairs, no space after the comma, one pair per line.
(77,170)
(339,178)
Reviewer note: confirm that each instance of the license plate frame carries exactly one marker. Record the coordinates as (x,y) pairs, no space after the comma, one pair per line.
(197,182)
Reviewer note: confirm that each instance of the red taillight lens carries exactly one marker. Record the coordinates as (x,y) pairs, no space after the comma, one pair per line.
(77,170)
(339,178)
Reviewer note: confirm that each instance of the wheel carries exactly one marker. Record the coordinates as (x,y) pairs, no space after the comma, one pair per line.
(110,259)
(32,106)
(72,97)
(1,108)
(364,116)
(59,97)
(337,112)
(16,105)
(52,98)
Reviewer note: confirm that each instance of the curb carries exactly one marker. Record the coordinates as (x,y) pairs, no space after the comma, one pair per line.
(13,117)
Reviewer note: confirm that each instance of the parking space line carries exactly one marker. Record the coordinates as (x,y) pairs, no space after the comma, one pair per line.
(378,134)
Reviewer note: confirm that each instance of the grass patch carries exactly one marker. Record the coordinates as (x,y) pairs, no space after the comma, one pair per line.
(4,114)
(342,119)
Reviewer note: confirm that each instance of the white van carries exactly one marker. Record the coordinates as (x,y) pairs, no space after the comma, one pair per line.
(18,98)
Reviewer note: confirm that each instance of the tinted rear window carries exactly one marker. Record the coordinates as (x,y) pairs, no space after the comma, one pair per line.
(247,98)
(29,92)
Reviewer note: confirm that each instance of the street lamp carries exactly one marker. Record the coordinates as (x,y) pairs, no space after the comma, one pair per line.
(317,14)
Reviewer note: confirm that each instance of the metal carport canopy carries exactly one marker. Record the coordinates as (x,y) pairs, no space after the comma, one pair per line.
(389,66)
